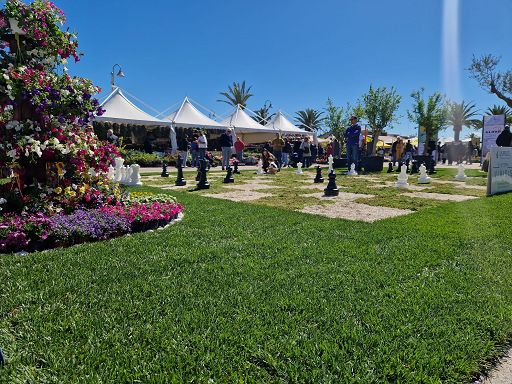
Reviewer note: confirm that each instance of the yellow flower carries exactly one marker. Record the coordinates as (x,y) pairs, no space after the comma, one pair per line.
(82,189)
(58,190)
(72,193)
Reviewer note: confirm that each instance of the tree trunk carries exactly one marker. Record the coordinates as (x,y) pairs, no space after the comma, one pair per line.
(375,140)
(456,133)
(500,95)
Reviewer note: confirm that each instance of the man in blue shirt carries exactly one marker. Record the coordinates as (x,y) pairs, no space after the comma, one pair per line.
(352,141)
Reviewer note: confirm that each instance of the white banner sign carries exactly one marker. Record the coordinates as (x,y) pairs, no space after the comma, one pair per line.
(499,178)
(493,125)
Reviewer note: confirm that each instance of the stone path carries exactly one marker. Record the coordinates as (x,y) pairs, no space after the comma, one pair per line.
(239,195)
(250,187)
(345,208)
(439,196)
(502,374)
(390,184)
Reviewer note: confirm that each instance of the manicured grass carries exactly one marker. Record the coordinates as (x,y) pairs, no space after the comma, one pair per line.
(250,293)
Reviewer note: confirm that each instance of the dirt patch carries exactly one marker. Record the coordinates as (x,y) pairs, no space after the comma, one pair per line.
(250,186)
(439,196)
(355,211)
(239,195)
(343,196)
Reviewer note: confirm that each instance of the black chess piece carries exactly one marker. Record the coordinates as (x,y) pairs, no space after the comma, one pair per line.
(414,167)
(399,169)
(229,176)
(432,166)
(164,169)
(390,167)
(332,188)
(203,181)
(318,177)
(236,171)
(180,180)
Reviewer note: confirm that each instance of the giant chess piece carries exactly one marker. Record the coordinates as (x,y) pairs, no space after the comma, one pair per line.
(180,180)
(432,166)
(461,176)
(332,188)
(118,169)
(414,167)
(229,176)
(423,179)
(318,177)
(399,166)
(236,171)
(260,170)
(111,173)
(299,169)
(135,175)
(390,167)
(352,171)
(330,162)
(164,169)
(402,177)
(203,181)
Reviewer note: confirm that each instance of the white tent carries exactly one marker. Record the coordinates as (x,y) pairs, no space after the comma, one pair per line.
(118,109)
(242,122)
(282,124)
(188,116)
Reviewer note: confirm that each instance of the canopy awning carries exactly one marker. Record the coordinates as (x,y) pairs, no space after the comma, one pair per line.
(118,109)
(282,124)
(242,122)
(188,116)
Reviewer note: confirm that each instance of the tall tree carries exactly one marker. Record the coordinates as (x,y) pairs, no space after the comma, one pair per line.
(484,70)
(430,114)
(461,115)
(263,114)
(379,107)
(333,120)
(500,110)
(236,94)
(309,119)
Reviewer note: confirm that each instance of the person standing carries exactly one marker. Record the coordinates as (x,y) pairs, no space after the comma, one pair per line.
(287,150)
(409,149)
(352,141)
(277,149)
(306,151)
(202,146)
(336,149)
(239,149)
(183,147)
(226,142)
(194,150)
(112,139)
(504,139)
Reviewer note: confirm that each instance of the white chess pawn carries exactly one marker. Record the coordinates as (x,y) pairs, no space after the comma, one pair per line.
(402,178)
(299,169)
(260,168)
(461,176)
(423,179)
(119,164)
(111,173)
(352,171)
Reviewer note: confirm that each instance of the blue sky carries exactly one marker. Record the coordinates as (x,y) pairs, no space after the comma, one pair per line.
(294,53)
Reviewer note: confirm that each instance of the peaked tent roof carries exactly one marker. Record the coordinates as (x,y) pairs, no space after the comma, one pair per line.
(242,122)
(188,116)
(281,123)
(118,109)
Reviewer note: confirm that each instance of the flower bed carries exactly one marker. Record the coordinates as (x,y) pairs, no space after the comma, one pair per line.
(35,232)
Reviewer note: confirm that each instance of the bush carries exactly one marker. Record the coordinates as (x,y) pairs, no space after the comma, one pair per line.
(143,159)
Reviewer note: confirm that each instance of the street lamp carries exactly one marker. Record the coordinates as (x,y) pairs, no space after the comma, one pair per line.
(112,77)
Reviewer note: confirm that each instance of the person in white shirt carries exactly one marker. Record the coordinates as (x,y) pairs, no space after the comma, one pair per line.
(202,145)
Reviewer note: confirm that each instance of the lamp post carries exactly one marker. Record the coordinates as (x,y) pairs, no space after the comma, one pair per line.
(112,77)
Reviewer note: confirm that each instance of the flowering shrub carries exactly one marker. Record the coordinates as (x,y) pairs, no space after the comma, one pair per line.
(39,231)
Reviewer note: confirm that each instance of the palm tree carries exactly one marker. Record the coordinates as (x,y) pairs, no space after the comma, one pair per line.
(237,94)
(309,119)
(263,114)
(500,110)
(460,115)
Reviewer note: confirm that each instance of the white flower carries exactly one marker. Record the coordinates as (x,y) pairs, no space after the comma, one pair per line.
(12,154)
(2,200)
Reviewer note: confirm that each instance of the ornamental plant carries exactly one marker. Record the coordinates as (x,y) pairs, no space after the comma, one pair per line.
(47,146)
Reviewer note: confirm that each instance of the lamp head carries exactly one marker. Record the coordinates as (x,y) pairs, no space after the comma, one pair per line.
(120,73)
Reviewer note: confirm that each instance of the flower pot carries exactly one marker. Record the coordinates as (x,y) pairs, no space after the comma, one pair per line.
(13,23)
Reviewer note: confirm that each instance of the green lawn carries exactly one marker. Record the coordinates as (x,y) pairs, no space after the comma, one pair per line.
(253,293)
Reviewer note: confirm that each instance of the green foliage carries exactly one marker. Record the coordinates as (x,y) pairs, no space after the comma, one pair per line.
(460,115)
(263,115)
(379,106)
(245,293)
(484,70)
(430,114)
(142,158)
(500,110)
(309,119)
(237,94)
(333,120)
